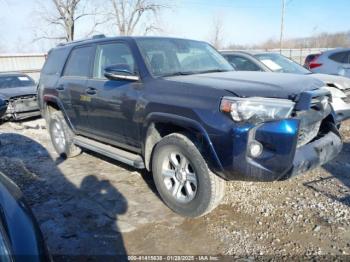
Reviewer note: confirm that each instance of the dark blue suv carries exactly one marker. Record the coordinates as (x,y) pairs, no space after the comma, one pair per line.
(177,108)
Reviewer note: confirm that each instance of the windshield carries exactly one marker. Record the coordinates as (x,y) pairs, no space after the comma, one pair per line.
(280,63)
(166,57)
(15,81)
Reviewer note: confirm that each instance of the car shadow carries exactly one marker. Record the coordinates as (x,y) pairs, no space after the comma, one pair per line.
(146,175)
(337,185)
(78,217)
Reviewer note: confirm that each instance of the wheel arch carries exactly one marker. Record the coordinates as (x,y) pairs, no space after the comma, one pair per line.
(158,125)
(54,103)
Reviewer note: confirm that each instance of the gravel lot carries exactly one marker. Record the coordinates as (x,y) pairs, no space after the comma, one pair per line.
(90,205)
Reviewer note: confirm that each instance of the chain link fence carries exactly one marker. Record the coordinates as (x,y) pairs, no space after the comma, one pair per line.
(296,54)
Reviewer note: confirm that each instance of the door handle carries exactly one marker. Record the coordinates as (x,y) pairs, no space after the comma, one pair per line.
(60,88)
(91,91)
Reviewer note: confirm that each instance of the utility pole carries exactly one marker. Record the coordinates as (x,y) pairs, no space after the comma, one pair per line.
(282,24)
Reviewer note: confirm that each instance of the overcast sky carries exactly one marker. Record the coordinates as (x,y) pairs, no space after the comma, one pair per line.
(244,21)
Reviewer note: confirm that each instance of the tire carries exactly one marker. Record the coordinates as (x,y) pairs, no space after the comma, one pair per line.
(61,135)
(183,179)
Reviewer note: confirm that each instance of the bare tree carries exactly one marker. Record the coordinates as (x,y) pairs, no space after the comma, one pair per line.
(60,19)
(128,15)
(216,38)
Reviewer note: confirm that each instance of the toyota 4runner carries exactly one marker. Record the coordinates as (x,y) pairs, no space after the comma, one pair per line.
(177,108)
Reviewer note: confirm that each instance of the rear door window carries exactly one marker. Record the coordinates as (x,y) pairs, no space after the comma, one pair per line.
(79,62)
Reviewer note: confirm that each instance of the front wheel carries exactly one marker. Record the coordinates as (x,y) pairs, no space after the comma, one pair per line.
(183,178)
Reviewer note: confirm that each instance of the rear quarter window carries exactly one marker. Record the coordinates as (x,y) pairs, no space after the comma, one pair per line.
(55,62)
(340,57)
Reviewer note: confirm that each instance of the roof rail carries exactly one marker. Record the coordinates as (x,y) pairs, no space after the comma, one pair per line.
(98,36)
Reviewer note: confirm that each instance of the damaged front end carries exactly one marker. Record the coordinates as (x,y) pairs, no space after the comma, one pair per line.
(21,107)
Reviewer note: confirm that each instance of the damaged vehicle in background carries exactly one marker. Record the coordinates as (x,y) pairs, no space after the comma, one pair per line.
(272,62)
(19,93)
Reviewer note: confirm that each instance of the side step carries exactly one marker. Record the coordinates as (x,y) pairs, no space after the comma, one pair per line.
(110,151)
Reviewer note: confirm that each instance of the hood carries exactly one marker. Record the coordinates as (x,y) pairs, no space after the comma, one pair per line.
(8,93)
(249,84)
(339,82)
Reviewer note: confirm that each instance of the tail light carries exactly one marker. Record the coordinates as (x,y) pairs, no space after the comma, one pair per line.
(313,63)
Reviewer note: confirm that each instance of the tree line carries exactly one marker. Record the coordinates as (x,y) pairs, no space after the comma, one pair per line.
(322,40)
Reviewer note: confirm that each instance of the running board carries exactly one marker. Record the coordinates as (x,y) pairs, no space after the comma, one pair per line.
(110,151)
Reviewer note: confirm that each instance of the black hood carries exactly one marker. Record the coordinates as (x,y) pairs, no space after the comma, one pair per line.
(250,84)
(7,93)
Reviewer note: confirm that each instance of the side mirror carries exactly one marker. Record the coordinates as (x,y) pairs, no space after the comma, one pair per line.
(120,72)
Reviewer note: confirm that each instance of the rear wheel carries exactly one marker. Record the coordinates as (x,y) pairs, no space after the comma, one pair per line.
(62,136)
(183,178)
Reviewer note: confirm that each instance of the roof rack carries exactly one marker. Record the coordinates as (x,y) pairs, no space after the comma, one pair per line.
(82,40)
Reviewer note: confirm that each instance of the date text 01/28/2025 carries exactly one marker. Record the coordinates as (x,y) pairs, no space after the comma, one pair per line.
(173,258)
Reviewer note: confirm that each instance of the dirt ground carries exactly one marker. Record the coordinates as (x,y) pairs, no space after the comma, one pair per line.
(90,205)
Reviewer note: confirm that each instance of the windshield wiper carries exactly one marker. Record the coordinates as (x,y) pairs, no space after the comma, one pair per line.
(179,73)
(213,71)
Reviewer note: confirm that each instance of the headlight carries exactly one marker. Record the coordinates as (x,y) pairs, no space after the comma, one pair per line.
(255,109)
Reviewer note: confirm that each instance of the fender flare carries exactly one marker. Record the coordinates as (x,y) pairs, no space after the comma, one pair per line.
(197,131)
(57,101)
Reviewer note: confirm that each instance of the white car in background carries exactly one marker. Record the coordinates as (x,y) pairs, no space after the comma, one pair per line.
(333,62)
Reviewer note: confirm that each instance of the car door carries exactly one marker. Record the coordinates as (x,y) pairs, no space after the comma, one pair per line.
(73,84)
(113,102)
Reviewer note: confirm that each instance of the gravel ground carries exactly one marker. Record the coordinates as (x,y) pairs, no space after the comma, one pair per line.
(90,205)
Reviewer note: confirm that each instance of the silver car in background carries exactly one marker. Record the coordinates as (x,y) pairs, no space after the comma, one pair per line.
(333,62)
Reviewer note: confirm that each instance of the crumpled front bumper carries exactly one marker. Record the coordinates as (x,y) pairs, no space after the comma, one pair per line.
(316,153)
(281,157)
(21,108)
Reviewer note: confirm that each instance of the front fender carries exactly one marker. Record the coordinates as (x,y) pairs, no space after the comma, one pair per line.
(198,134)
